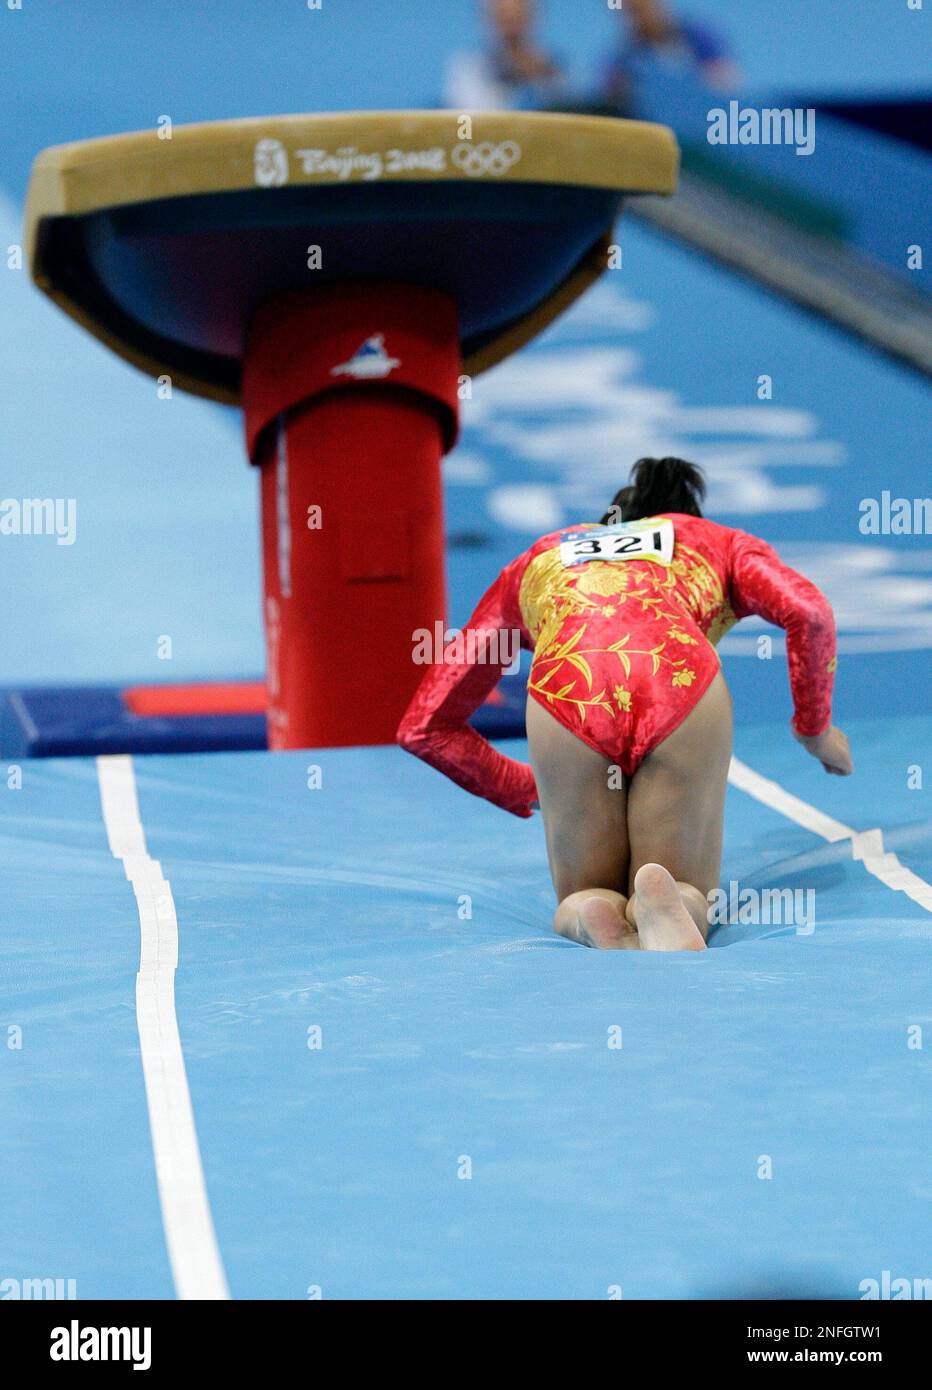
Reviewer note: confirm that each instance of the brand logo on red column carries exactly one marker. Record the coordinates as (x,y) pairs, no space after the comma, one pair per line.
(369,362)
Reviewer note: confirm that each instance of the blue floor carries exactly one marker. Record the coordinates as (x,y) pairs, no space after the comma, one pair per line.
(448,1037)
(444,1037)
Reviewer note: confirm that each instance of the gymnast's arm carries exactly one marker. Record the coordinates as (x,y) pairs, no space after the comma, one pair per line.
(435,728)
(761,583)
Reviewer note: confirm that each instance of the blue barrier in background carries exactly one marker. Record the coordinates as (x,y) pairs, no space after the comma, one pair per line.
(865,188)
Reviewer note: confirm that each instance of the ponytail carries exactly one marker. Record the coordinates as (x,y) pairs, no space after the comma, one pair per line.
(657,486)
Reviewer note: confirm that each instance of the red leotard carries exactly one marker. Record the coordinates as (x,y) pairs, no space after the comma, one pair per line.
(623,651)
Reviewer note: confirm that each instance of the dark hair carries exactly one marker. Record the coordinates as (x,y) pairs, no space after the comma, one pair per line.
(658,485)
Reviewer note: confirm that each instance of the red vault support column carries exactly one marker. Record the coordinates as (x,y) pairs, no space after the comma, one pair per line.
(350,396)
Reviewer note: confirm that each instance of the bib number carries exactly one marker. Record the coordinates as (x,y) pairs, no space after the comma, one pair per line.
(628,540)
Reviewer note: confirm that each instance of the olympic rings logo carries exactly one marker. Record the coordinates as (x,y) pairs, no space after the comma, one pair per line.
(476,160)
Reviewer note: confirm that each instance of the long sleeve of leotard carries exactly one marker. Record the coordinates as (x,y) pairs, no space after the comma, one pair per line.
(761,583)
(435,728)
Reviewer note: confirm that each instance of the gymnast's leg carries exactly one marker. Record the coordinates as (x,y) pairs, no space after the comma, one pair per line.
(587,841)
(675,812)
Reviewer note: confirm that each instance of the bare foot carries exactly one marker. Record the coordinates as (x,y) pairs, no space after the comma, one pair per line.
(600,924)
(596,919)
(663,922)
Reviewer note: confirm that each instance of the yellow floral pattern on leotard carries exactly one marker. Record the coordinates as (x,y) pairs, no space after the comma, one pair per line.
(660,611)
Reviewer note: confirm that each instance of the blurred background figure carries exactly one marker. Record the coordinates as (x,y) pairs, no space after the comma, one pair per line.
(649,32)
(513,73)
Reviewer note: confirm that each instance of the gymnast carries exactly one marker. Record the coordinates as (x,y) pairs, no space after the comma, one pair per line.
(629,719)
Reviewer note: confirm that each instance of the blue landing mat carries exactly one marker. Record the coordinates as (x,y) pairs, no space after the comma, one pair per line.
(448,1038)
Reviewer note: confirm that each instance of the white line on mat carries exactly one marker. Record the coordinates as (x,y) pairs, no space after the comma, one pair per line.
(189,1229)
(866,845)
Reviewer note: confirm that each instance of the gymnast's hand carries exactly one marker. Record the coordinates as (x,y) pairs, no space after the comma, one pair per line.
(831,749)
